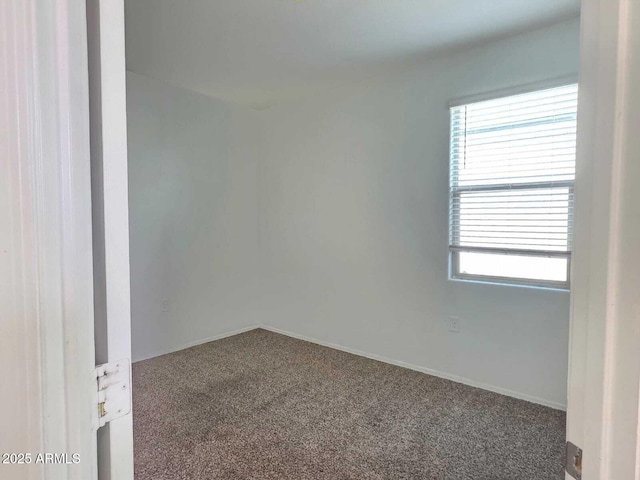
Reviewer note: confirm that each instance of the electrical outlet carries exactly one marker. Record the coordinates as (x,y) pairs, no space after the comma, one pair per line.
(165,306)
(454,324)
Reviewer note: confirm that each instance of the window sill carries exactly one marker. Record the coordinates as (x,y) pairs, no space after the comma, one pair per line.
(510,284)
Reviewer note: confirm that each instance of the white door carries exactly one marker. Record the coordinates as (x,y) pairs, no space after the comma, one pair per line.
(107,89)
(47,360)
(51,172)
(604,364)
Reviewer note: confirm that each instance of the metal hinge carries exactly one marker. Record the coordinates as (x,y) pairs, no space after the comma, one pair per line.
(573,460)
(113,391)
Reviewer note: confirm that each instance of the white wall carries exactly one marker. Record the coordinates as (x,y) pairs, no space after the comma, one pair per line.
(193,216)
(353,195)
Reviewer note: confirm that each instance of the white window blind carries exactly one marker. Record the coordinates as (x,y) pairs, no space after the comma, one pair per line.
(511,187)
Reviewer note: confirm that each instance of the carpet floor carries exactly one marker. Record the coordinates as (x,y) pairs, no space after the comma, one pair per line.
(260,405)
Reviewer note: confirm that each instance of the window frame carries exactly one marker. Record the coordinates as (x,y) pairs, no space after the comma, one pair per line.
(454,250)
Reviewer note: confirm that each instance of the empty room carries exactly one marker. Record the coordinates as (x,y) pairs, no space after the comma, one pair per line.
(350,237)
(304,239)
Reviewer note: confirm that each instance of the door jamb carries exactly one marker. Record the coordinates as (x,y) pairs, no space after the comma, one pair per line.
(604,368)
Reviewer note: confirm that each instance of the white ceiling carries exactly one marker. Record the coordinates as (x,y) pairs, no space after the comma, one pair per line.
(260,52)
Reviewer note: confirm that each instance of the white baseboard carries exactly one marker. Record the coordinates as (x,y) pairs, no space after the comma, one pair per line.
(399,363)
(198,342)
(428,371)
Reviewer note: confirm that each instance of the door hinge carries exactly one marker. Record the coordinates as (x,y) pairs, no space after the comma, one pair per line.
(113,386)
(573,460)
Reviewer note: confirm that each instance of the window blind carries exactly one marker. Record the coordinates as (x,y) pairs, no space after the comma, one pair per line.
(512,170)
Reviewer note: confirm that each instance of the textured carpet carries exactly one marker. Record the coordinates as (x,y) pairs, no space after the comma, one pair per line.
(265,406)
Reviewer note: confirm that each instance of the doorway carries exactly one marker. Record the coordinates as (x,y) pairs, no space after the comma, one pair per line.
(171,306)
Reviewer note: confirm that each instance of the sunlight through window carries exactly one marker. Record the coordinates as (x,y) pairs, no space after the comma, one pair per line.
(512,170)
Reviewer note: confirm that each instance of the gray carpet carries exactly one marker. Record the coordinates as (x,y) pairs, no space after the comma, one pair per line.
(265,406)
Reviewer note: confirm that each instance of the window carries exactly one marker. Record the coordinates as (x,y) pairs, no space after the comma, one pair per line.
(512,171)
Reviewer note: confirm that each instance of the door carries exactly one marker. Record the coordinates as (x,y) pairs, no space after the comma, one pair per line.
(604,363)
(63,219)
(107,90)
(47,360)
